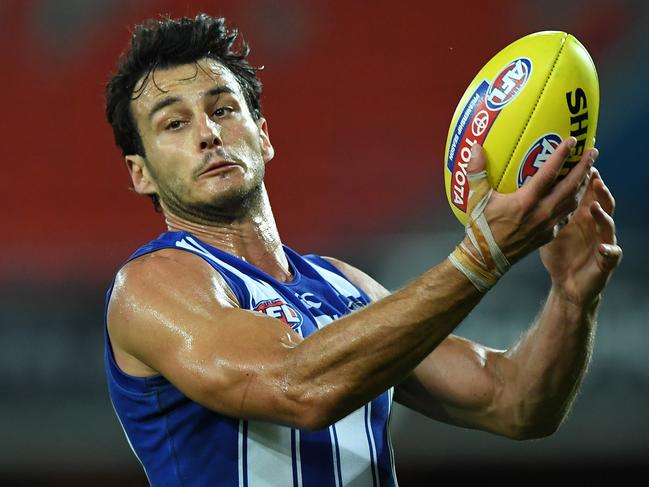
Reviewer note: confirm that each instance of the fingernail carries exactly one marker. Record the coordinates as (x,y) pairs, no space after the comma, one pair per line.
(571,141)
(607,250)
(594,154)
(474,151)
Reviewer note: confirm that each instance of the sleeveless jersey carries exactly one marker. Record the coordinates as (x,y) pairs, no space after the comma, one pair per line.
(181,443)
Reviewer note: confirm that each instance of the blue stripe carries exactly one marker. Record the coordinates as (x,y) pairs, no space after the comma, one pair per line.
(293,457)
(339,472)
(244,454)
(317,445)
(369,443)
(207,443)
(379,425)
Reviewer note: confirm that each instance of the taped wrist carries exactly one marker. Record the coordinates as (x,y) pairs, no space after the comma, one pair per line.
(484,265)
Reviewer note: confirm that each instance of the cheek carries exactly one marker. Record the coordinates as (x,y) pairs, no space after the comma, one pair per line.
(172,154)
(244,139)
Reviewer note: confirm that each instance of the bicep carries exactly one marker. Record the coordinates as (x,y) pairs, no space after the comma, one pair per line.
(457,383)
(174,317)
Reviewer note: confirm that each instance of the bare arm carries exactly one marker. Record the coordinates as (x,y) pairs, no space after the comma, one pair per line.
(169,311)
(521,392)
(526,390)
(244,364)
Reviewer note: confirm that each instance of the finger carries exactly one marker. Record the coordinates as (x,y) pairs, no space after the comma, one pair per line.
(604,196)
(574,201)
(478,161)
(545,178)
(605,223)
(612,254)
(585,184)
(587,193)
(568,188)
(595,173)
(479,188)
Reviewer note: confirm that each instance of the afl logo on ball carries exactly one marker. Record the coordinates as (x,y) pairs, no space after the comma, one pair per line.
(276,308)
(536,156)
(509,83)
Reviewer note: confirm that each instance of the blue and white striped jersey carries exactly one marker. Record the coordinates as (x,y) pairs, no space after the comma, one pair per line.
(181,443)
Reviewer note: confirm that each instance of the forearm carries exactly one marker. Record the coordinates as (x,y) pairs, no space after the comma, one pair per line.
(543,371)
(354,359)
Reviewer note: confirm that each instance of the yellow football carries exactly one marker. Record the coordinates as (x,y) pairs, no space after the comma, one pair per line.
(523,102)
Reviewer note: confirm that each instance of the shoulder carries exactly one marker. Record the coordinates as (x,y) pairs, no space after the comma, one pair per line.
(369,285)
(160,285)
(170,270)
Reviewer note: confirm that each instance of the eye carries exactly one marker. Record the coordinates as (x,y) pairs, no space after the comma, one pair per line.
(174,125)
(223,111)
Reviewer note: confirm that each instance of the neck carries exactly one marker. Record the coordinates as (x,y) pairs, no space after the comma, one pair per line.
(251,236)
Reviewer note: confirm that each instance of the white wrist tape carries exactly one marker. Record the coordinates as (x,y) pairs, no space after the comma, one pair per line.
(487,264)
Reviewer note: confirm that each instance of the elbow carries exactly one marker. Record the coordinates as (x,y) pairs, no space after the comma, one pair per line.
(311,415)
(521,421)
(314,408)
(314,421)
(533,431)
(533,428)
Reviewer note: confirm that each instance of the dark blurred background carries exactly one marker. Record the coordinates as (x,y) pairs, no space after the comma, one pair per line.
(358,95)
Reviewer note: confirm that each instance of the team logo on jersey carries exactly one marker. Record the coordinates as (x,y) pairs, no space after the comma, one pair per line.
(536,156)
(276,308)
(509,82)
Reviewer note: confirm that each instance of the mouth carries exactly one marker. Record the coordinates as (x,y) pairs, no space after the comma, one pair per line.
(217,167)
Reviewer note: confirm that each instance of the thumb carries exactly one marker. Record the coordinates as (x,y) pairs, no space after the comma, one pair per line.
(479,188)
(478,161)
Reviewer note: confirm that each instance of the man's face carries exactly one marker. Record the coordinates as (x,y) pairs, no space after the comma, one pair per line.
(205,155)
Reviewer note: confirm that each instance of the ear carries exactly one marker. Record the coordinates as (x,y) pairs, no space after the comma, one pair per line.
(267,150)
(140,175)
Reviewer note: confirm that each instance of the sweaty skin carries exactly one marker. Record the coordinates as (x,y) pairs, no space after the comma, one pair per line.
(170,313)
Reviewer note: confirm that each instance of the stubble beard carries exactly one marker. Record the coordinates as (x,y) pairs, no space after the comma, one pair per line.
(224,208)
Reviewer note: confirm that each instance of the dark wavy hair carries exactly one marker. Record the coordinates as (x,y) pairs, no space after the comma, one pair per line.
(166,43)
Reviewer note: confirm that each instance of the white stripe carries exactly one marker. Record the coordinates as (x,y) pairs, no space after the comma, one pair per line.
(240,448)
(354,449)
(340,284)
(259,291)
(298,458)
(387,430)
(373,449)
(270,462)
(333,454)
(322,320)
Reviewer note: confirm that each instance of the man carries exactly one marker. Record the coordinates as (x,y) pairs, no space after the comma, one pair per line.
(211,385)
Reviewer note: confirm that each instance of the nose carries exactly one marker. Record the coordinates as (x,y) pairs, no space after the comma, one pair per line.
(209,133)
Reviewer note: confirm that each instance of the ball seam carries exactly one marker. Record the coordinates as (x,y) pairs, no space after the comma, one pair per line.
(545,84)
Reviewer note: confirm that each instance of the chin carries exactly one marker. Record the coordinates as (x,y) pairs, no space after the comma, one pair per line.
(233,201)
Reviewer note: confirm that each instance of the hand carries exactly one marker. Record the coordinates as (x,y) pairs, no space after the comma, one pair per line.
(524,220)
(584,253)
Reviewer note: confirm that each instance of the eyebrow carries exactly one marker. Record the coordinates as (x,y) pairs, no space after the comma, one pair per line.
(170,100)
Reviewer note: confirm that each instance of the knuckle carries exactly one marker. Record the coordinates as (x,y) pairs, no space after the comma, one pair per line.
(522,205)
(545,214)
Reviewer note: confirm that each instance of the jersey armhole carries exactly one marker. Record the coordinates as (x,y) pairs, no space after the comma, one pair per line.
(322,262)
(137,384)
